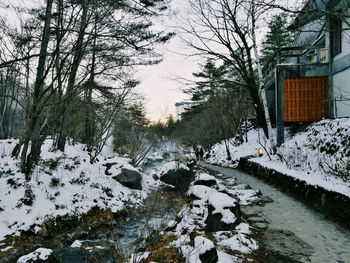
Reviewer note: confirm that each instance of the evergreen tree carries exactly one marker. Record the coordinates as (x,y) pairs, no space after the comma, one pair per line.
(277,36)
(212,80)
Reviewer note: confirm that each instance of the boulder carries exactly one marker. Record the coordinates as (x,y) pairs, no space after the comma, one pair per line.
(210,256)
(180,178)
(208,183)
(40,255)
(215,220)
(155,177)
(206,250)
(129,178)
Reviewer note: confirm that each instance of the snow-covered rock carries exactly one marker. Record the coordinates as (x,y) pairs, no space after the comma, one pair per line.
(40,253)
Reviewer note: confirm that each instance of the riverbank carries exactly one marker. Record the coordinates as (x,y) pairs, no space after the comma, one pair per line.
(313,164)
(74,210)
(291,224)
(333,205)
(68,199)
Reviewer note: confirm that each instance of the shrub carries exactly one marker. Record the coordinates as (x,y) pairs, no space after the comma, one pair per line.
(80,180)
(27,199)
(51,163)
(13,183)
(166,155)
(55,182)
(108,191)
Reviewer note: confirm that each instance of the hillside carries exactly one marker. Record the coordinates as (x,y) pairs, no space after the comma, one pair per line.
(319,155)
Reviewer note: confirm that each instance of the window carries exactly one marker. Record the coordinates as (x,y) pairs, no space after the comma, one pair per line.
(336,34)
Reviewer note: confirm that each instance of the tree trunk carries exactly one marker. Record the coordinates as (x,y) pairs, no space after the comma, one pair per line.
(261,91)
(89,117)
(67,105)
(32,134)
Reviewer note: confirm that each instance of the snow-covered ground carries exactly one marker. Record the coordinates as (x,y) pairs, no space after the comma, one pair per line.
(193,220)
(218,153)
(320,155)
(62,184)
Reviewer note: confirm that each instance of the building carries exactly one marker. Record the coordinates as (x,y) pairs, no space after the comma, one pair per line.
(314,81)
(181,107)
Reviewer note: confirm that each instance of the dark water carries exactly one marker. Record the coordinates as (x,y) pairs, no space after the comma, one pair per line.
(330,241)
(160,207)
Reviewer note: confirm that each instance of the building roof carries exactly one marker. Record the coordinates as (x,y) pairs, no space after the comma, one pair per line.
(314,9)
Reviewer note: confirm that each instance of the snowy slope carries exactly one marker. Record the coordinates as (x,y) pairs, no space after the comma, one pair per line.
(320,155)
(62,183)
(218,153)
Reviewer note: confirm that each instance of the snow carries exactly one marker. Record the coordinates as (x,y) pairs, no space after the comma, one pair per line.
(239,242)
(244,196)
(40,253)
(193,218)
(221,202)
(5,249)
(137,257)
(319,156)
(173,165)
(205,177)
(202,244)
(62,184)
(226,258)
(325,181)
(201,191)
(76,243)
(218,153)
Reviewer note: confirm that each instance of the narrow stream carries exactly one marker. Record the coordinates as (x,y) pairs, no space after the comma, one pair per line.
(158,209)
(330,241)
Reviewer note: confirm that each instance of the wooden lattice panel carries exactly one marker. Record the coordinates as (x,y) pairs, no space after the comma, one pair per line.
(305,99)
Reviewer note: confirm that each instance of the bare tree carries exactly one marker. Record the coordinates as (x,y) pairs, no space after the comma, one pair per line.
(225,30)
(36,131)
(74,57)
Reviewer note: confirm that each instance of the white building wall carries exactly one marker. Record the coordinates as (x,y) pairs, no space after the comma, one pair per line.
(341,80)
(341,92)
(345,49)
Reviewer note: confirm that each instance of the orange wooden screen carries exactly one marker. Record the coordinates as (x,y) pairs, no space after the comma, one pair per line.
(305,99)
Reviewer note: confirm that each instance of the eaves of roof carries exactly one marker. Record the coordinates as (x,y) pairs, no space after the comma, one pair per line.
(312,10)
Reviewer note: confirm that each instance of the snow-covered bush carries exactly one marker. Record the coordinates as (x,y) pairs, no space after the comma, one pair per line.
(324,147)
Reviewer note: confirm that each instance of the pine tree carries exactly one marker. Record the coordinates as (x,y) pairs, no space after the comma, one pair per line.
(212,80)
(277,36)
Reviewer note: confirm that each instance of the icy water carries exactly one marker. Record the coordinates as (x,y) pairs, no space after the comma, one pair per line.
(159,208)
(133,234)
(330,241)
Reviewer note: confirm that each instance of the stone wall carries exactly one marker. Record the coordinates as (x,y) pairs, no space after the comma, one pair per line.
(334,206)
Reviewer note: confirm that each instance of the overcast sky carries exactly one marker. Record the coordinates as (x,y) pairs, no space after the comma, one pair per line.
(160,84)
